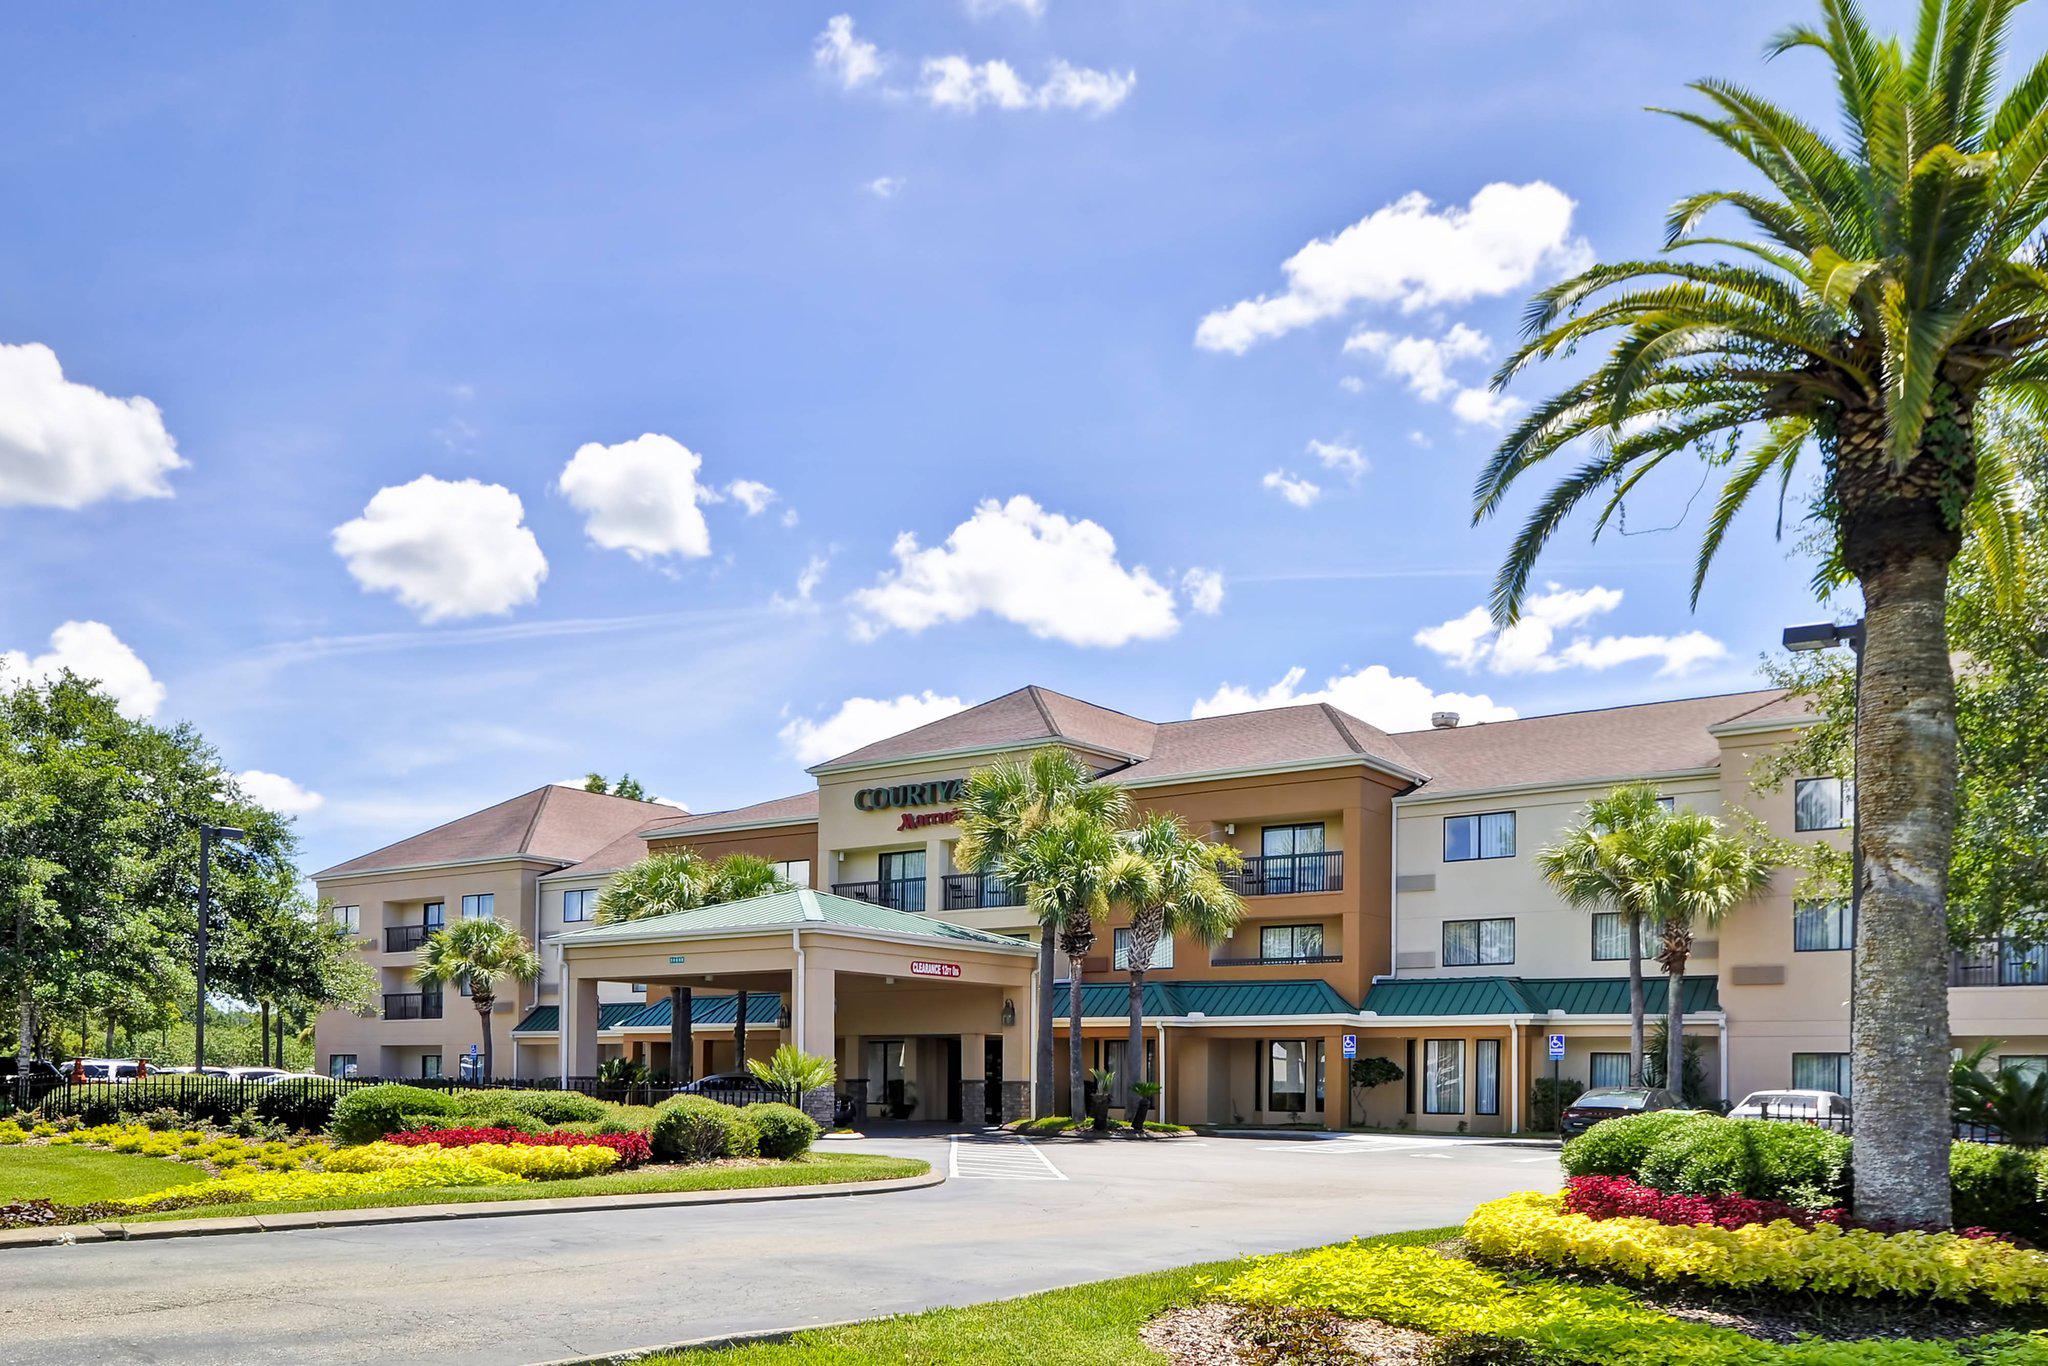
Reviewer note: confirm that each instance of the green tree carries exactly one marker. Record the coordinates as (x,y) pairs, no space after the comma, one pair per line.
(1698,873)
(1596,866)
(1006,812)
(484,954)
(683,880)
(627,786)
(792,1069)
(1878,286)
(1175,885)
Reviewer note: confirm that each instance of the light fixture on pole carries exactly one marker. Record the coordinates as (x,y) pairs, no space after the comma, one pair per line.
(207,835)
(1826,635)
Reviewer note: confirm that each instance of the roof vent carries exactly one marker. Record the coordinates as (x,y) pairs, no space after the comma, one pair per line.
(1443,720)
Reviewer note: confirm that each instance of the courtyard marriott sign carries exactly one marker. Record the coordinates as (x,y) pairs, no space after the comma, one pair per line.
(914,794)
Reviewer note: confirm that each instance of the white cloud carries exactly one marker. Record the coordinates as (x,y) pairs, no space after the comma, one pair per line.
(1204,589)
(981,9)
(91,650)
(1423,363)
(1373,694)
(852,61)
(642,496)
(862,721)
(751,494)
(953,82)
(1348,461)
(1058,578)
(65,444)
(1532,644)
(789,517)
(278,793)
(448,549)
(1079,87)
(1291,486)
(807,580)
(1413,255)
(1351,384)
(1484,408)
(885,186)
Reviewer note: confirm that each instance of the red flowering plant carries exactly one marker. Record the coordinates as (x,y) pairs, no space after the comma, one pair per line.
(1617,1197)
(633,1149)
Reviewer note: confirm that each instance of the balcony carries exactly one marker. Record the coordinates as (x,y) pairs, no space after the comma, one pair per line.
(1285,874)
(901,894)
(412,1005)
(1999,963)
(978,892)
(405,938)
(1293,961)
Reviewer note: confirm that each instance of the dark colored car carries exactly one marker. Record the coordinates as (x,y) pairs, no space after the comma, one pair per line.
(1609,1101)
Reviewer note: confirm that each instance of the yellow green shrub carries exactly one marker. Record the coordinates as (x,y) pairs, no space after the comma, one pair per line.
(534,1162)
(1532,1229)
(12,1133)
(437,1173)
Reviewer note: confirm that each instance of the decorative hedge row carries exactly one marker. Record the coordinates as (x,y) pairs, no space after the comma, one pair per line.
(1534,1230)
(1617,1197)
(442,1171)
(633,1149)
(698,1129)
(528,1161)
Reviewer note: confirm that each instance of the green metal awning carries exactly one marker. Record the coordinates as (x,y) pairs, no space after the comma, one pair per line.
(1215,1000)
(1449,996)
(763,1008)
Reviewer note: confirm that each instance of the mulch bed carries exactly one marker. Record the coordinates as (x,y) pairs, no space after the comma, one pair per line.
(1229,1335)
(1837,1318)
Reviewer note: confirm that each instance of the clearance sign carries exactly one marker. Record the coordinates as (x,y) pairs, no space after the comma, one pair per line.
(921,968)
(904,795)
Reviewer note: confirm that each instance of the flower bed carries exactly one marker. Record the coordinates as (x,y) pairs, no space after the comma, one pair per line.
(538,1162)
(1617,1197)
(432,1171)
(633,1149)
(1532,1229)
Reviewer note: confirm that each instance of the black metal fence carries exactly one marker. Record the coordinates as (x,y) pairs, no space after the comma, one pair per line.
(220,1097)
(1286,874)
(1810,1112)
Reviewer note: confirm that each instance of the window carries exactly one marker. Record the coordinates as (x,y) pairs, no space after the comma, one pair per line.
(462,984)
(1443,1085)
(639,988)
(2029,1065)
(1610,1069)
(796,871)
(1473,837)
(1823,804)
(349,919)
(341,1064)
(579,905)
(1610,938)
(1476,943)
(1291,859)
(1283,943)
(1162,952)
(436,914)
(1822,925)
(1821,1072)
(430,1066)
(1409,1074)
(1287,1075)
(1667,804)
(478,907)
(1486,1076)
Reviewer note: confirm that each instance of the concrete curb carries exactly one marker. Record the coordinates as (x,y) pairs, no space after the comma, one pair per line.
(68,1234)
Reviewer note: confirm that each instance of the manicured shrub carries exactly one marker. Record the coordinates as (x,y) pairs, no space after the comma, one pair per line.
(744,1138)
(1548,1099)
(623,1119)
(549,1107)
(1617,1197)
(1533,1229)
(1617,1147)
(633,1149)
(529,1161)
(697,1129)
(501,1116)
(1754,1157)
(2001,1188)
(784,1130)
(370,1112)
(443,1171)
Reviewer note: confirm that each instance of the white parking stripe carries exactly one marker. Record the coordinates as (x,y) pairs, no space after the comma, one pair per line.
(1000,1159)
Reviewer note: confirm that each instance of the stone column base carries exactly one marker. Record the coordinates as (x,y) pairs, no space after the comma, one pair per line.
(974,1102)
(1016,1101)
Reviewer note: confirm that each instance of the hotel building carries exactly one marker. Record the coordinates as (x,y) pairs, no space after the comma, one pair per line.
(1391,908)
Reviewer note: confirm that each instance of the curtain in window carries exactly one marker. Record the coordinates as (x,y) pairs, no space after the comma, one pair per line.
(1443,1065)
(1610,1069)
(1496,941)
(1821,1072)
(1287,1075)
(1486,1076)
(1821,925)
(1162,952)
(1497,835)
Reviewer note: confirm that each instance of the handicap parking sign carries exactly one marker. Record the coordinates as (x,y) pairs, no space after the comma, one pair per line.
(1557,1045)
(1350,1045)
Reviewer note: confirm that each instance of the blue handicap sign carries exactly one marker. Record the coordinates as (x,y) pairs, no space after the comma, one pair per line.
(1557,1045)
(1350,1045)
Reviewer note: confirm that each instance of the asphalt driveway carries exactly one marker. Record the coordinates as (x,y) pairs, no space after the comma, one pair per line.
(1013,1218)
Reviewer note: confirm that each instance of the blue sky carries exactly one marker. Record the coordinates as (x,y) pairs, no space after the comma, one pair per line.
(909,309)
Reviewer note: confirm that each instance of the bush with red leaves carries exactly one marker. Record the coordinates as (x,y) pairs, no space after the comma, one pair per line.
(632,1149)
(1617,1197)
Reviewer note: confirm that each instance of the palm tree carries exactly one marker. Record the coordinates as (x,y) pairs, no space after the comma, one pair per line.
(1174,886)
(1597,866)
(1881,284)
(1699,874)
(1003,807)
(741,877)
(482,953)
(659,884)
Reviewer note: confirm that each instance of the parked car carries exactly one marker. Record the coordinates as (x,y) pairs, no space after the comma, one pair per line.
(40,1079)
(104,1069)
(722,1082)
(294,1076)
(1607,1102)
(253,1073)
(1829,1108)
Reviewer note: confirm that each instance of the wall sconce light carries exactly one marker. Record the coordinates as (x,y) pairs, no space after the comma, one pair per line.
(1009,1012)
(1230,828)
(782,1020)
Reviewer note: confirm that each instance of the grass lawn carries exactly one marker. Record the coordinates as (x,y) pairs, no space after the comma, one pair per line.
(813,1169)
(1081,1326)
(76,1176)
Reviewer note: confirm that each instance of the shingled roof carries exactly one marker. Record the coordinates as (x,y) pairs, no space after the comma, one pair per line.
(795,809)
(1029,716)
(554,824)
(1280,737)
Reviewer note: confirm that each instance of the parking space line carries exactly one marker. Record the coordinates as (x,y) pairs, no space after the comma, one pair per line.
(999,1159)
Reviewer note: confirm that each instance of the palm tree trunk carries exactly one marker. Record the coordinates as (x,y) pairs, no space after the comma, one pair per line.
(1906,757)
(1134,1048)
(1636,1006)
(1674,1026)
(1043,1102)
(483,1016)
(1076,1093)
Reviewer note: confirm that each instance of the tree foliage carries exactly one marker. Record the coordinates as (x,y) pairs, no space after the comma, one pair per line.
(683,880)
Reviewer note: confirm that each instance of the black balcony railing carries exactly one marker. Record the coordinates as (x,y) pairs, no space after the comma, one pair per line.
(1283,874)
(405,938)
(1999,963)
(901,893)
(978,891)
(412,1005)
(1294,961)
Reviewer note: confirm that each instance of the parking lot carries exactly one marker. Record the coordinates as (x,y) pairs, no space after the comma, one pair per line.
(1011,1218)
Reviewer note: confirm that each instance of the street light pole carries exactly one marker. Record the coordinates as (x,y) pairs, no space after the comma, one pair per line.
(207,835)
